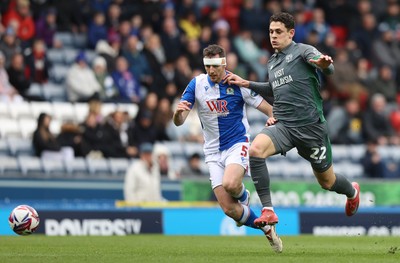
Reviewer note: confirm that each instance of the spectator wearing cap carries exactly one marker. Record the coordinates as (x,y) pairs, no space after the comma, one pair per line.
(108,91)
(193,167)
(81,82)
(143,178)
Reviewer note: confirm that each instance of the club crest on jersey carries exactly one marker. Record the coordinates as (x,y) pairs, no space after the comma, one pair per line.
(289,58)
(230,91)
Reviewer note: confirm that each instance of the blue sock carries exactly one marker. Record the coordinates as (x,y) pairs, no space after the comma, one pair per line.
(248,217)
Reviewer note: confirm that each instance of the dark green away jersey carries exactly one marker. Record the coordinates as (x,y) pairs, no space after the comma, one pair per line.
(295,85)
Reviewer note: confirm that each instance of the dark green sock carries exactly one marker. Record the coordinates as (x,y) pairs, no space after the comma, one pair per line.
(343,186)
(260,176)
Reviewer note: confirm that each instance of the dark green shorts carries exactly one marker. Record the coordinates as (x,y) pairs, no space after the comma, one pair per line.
(311,141)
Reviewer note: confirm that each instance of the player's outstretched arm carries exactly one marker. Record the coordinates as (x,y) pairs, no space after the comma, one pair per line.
(181,112)
(323,62)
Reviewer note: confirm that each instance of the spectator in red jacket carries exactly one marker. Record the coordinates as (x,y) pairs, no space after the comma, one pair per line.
(20,17)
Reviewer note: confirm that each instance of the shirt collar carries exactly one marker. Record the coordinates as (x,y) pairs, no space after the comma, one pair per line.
(286,49)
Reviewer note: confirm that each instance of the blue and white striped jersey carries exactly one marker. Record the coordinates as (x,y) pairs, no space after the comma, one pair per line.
(222,111)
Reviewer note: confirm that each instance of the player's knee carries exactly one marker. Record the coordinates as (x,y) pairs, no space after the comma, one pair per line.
(231,186)
(257,151)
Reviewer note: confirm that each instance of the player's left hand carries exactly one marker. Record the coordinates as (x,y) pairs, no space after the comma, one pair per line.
(271,121)
(323,61)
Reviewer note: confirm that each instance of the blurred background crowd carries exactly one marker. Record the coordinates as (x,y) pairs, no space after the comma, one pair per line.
(144,53)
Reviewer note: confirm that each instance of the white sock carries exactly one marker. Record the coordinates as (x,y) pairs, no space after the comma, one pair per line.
(265,228)
(268,208)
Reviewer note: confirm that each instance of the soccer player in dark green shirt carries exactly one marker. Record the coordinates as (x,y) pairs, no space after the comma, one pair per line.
(297,109)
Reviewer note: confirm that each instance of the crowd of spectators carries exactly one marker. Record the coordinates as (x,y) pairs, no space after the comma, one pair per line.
(148,50)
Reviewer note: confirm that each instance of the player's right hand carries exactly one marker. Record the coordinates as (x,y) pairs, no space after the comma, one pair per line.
(233,79)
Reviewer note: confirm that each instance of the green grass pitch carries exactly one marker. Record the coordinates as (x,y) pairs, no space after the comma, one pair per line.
(159,248)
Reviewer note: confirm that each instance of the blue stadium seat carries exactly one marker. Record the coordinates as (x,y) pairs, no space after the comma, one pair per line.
(9,128)
(35,89)
(20,146)
(98,167)
(9,165)
(54,92)
(118,166)
(66,38)
(30,165)
(53,168)
(63,111)
(58,73)
(4,149)
(55,56)
(70,55)
(76,166)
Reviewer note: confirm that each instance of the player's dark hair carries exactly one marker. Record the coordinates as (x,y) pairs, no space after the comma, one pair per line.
(285,18)
(213,50)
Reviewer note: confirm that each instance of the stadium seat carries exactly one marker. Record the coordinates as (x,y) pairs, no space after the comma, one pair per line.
(90,55)
(255,116)
(79,40)
(20,146)
(27,126)
(4,149)
(63,111)
(9,128)
(118,166)
(53,167)
(58,73)
(4,110)
(66,38)
(54,92)
(19,110)
(193,147)
(30,165)
(70,55)
(35,89)
(179,162)
(41,107)
(81,111)
(107,108)
(76,166)
(98,167)
(340,153)
(9,165)
(356,152)
(131,108)
(255,129)
(55,56)
(175,148)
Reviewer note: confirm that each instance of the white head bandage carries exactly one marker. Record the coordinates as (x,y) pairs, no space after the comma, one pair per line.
(214,61)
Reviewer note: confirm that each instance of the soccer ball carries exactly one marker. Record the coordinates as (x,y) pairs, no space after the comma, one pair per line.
(24,220)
